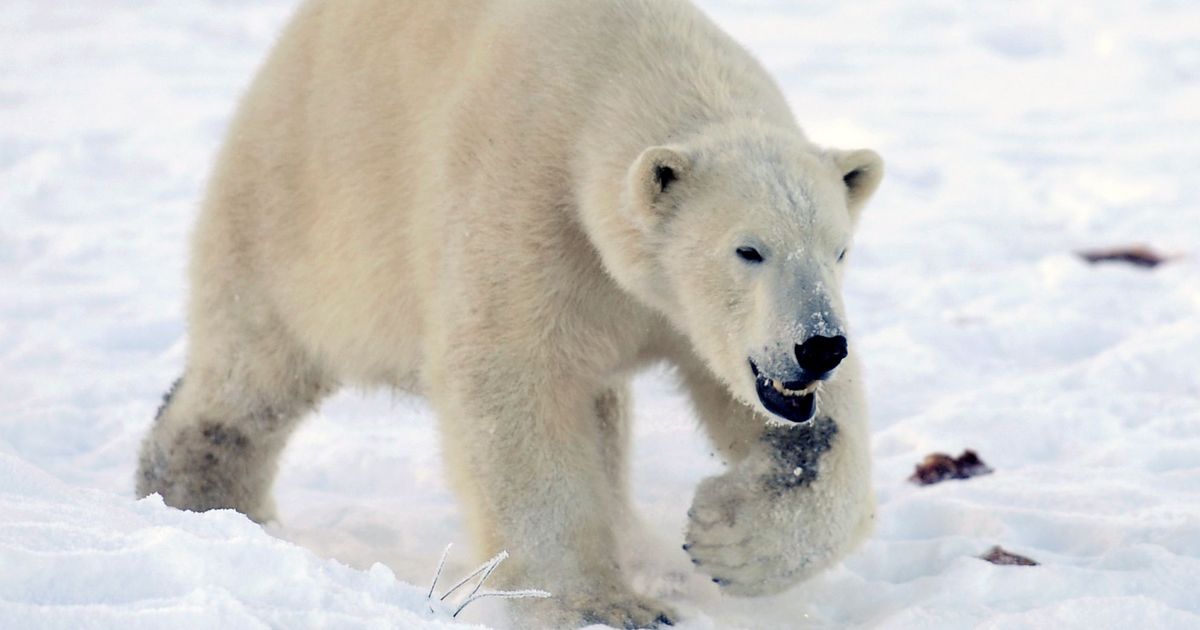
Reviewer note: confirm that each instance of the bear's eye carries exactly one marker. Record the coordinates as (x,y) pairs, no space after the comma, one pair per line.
(842,255)
(749,254)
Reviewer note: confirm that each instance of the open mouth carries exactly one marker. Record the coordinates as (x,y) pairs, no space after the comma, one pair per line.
(795,405)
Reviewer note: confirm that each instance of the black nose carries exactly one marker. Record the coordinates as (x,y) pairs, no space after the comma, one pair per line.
(820,355)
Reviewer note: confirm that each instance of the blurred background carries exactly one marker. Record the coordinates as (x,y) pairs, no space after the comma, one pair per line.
(1017,135)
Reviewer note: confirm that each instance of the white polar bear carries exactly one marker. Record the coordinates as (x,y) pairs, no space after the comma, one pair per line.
(509,206)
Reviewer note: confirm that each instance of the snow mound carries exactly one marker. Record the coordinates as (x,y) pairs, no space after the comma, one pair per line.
(75,558)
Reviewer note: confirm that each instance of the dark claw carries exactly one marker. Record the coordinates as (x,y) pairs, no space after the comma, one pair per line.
(718,581)
(664,620)
(695,562)
(687,546)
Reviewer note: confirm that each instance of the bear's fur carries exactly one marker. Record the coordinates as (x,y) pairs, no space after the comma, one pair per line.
(509,206)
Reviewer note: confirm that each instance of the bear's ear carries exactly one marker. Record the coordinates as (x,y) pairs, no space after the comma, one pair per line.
(861,171)
(654,175)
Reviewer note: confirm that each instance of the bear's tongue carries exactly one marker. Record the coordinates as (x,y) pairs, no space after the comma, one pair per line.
(800,408)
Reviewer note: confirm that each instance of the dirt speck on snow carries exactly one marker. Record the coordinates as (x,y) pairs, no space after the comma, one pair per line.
(999,555)
(938,467)
(1136,255)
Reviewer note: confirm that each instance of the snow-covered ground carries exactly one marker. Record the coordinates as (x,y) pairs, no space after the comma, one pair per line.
(1015,134)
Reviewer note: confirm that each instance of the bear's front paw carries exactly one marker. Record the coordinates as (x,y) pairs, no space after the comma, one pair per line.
(757,536)
(631,612)
(618,610)
(743,542)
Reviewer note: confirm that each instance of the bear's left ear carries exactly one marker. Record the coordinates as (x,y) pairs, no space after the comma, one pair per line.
(653,177)
(861,170)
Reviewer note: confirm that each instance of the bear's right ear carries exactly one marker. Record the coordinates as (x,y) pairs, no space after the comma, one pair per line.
(861,171)
(653,176)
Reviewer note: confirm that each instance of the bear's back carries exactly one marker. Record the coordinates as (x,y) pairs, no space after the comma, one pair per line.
(387,145)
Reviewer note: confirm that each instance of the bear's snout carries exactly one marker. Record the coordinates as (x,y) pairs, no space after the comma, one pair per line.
(819,355)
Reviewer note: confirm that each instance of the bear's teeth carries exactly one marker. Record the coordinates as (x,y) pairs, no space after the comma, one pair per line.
(778,386)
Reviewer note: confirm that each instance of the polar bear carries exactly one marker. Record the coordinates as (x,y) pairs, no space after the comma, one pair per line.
(508,207)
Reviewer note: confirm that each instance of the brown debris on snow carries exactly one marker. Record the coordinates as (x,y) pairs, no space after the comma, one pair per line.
(939,467)
(1136,255)
(999,555)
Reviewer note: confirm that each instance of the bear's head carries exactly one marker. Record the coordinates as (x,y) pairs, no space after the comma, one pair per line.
(742,237)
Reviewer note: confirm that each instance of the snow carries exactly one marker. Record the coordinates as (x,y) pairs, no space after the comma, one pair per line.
(75,557)
(1015,134)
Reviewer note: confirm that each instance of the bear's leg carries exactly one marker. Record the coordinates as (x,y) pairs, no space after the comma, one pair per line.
(645,557)
(613,411)
(732,427)
(527,456)
(217,438)
(795,498)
